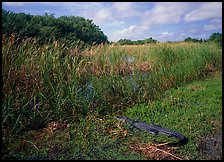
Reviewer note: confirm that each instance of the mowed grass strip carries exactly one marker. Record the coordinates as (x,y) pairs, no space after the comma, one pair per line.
(193,110)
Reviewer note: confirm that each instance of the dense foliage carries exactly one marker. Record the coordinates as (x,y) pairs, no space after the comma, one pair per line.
(189,39)
(137,42)
(215,37)
(47,27)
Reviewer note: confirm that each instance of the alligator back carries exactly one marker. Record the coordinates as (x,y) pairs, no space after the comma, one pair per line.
(156,129)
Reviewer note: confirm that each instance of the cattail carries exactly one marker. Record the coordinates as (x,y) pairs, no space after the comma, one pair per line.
(55,44)
(3,38)
(76,53)
(12,38)
(64,53)
(72,54)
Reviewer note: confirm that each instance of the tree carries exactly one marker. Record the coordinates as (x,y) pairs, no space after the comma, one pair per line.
(137,42)
(150,40)
(125,42)
(189,39)
(47,27)
(216,37)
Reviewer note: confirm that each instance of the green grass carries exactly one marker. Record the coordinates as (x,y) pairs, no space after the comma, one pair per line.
(189,109)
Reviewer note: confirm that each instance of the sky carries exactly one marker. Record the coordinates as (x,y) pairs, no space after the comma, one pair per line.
(163,21)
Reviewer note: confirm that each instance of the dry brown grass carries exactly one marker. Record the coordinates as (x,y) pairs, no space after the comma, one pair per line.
(155,151)
(210,67)
(145,66)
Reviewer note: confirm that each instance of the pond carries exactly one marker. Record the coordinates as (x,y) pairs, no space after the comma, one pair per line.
(128,59)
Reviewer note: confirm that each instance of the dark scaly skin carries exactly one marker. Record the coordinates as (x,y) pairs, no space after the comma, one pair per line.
(155,129)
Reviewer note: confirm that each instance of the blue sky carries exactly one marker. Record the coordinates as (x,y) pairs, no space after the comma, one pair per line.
(163,21)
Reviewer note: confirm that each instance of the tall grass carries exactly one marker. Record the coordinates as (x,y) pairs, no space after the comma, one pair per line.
(39,85)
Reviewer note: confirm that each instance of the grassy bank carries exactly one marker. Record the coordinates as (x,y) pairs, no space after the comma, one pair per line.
(194,110)
(45,84)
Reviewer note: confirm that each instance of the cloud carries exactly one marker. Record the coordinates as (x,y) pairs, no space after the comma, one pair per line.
(214,24)
(16,4)
(166,34)
(205,11)
(47,11)
(80,6)
(125,31)
(165,13)
(129,33)
(118,23)
(169,13)
(125,9)
(103,15)
(161,14)
(112,12)
(180,36)
(122,6)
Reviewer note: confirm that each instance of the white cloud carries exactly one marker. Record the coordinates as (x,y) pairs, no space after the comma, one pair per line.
(166,34)
(47,11)
(125,9)
(116,11)
(74,6)
(125,31)
(104,14)
(122,6)
(205,11)
(213,25)
(16,4)
(117,23)
(161,14)
(194,30)
(165,13)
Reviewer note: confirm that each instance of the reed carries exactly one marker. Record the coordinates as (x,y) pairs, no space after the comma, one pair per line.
(39,85)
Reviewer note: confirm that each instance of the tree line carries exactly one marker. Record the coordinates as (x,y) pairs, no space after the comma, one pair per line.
(214,37)
(137,42)
(47,27)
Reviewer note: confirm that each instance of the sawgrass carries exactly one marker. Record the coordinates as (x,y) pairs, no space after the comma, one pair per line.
(41,86)
(191,110)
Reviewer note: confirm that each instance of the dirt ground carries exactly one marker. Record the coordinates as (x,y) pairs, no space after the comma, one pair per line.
(211,146)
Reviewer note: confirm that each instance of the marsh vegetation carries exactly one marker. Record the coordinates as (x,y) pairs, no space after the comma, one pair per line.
(60,105)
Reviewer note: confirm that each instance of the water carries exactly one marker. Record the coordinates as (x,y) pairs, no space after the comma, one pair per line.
(128,59)
(135,83)
(88,92)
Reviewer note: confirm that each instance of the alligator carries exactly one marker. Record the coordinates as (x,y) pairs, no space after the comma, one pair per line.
(156,129)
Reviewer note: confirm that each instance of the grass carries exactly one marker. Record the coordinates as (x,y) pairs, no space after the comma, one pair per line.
(190,109)
(40,86)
